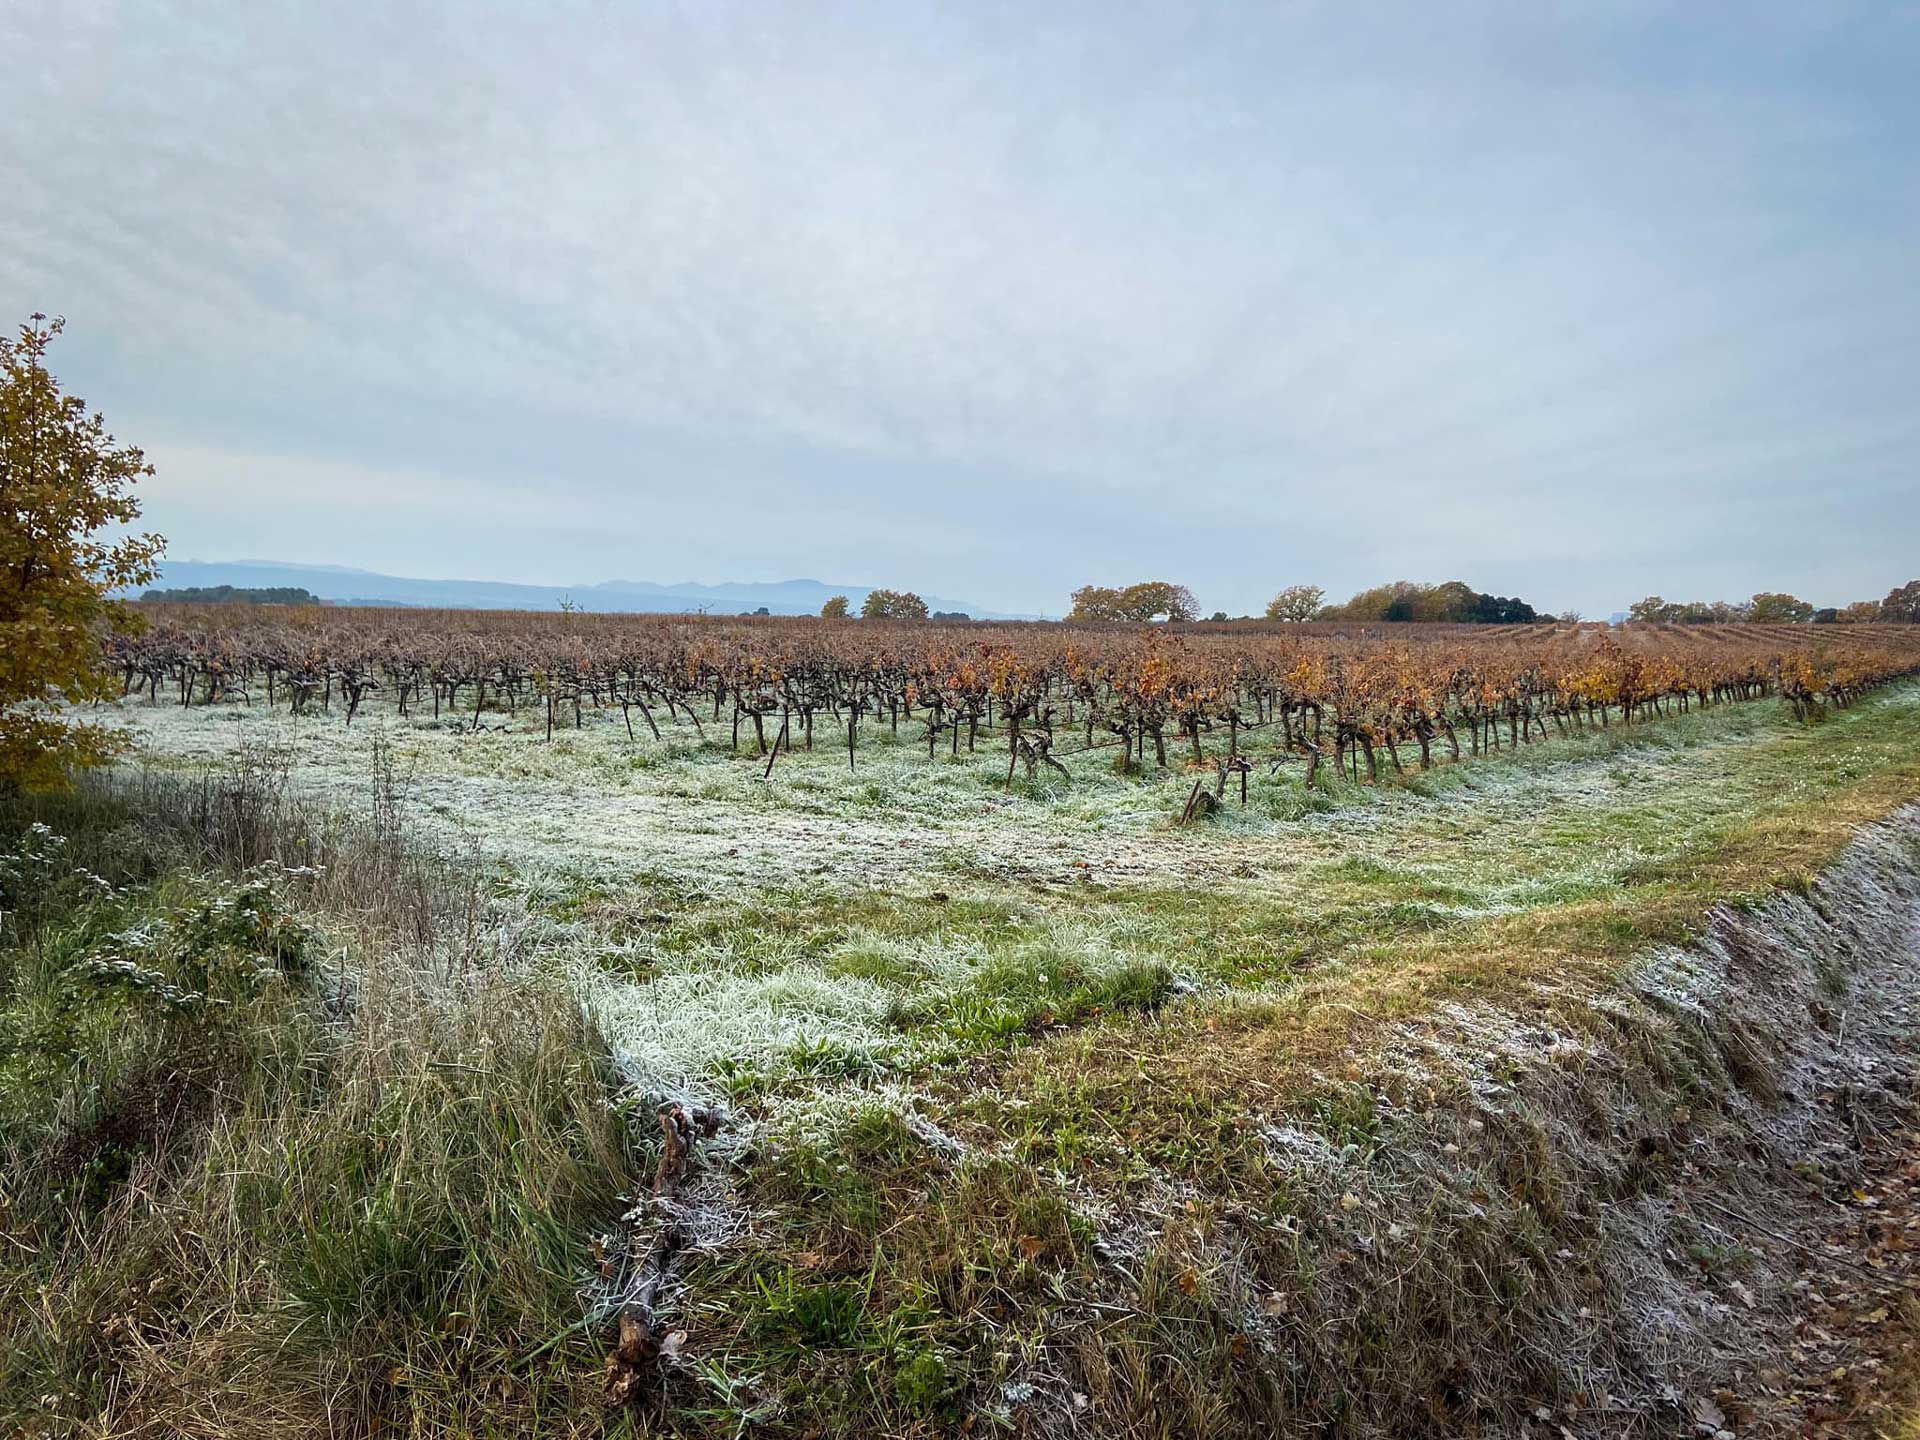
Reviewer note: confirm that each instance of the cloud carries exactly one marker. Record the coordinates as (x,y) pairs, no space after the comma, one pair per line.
(994,300)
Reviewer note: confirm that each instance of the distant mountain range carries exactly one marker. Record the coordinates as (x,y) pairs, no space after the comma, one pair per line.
(346,586)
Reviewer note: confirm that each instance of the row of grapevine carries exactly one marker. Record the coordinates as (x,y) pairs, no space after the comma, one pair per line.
(1347,696)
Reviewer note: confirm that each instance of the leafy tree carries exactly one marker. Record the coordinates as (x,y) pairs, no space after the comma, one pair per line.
(1775,608)
(834,609)
(1095,602)
(1151,599)
(1296,603)
(893,605)
(1375,603)
(1718,612)
(1902,605)
(1692,612)
(1861,612)
(1454,602)
(1148,600)
(1449,603)
(62,481)
(1500,610)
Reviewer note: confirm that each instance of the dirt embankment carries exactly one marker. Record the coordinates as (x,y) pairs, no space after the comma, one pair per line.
(1676,1206)
(1703,1176)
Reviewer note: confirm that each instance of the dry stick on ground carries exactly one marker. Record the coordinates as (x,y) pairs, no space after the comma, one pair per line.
(638,1342)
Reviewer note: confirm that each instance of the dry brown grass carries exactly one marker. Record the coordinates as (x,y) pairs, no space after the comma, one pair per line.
(370,1209)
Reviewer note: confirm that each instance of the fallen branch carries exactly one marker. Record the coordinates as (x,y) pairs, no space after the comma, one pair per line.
(639,1344)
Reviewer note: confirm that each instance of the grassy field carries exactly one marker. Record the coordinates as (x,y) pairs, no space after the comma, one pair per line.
(343,1144)
(899,910)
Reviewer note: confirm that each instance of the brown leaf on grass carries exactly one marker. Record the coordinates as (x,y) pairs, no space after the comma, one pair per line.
(1705,1412)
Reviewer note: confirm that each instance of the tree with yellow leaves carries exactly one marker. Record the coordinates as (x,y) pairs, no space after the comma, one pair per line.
(63,480)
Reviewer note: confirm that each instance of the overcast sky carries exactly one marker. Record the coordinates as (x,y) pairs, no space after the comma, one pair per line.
(1573,301)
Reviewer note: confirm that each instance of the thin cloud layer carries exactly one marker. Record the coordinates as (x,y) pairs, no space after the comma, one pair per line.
(996,301)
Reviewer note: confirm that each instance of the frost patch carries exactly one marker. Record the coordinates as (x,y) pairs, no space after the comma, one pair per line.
(672,1035)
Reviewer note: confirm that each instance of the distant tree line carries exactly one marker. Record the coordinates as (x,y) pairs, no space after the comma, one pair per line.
(888,605)
(1901,607)
(235,595)
(1453,602)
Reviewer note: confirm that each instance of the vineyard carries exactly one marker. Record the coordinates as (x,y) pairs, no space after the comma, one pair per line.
(558,1028)
(1225,697)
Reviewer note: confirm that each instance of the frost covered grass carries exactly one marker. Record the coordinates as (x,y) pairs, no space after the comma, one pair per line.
(728,931)
(742,1009)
